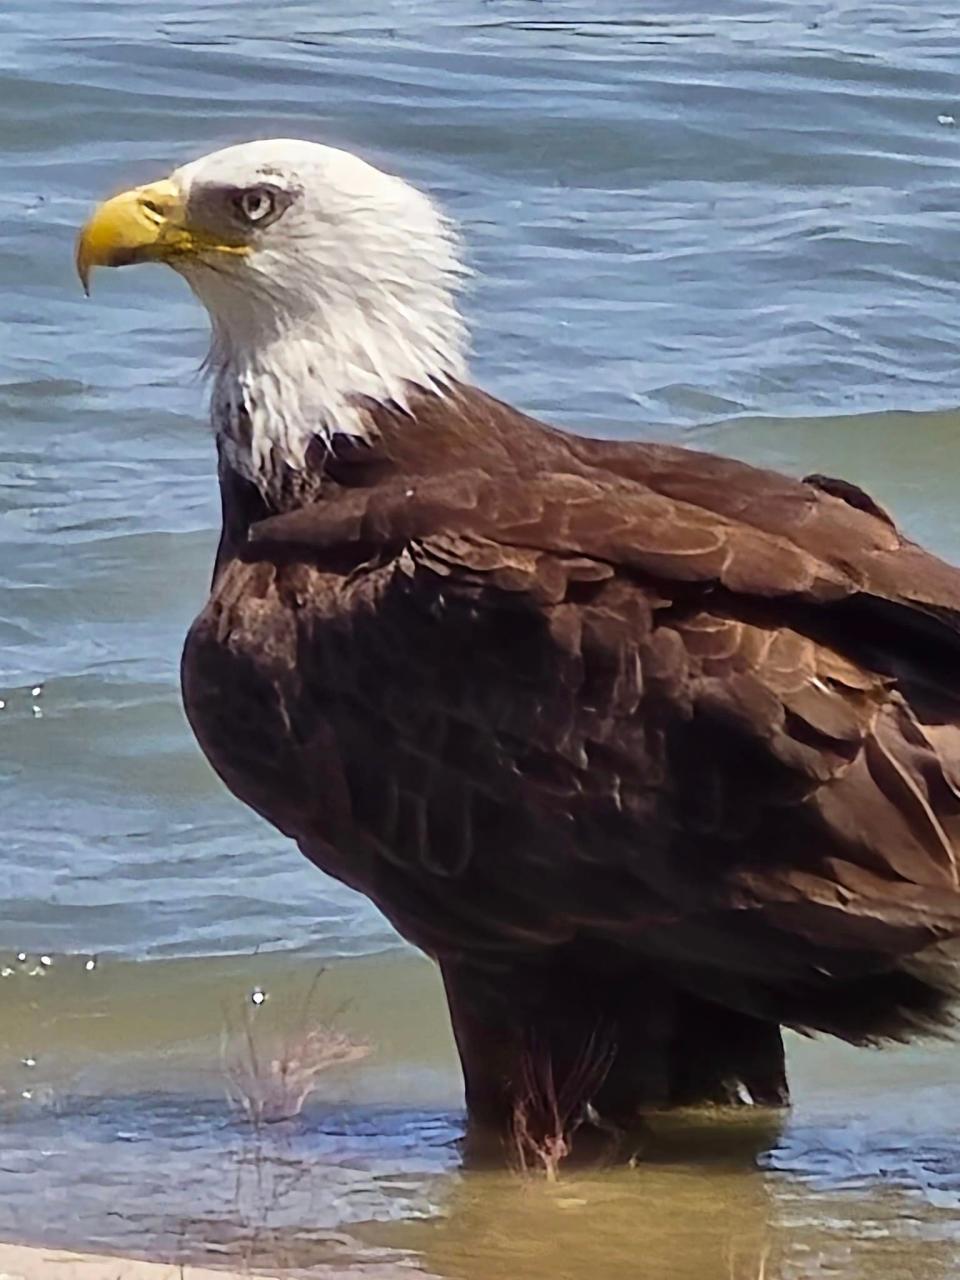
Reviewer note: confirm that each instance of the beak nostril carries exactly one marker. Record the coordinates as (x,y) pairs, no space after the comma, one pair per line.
(151,206)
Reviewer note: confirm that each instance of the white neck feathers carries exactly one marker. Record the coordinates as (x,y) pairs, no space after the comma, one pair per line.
(270,402)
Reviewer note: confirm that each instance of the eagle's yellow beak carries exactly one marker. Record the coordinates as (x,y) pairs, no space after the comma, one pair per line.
(146,224)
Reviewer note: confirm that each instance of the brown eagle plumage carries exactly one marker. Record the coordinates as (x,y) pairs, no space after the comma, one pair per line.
(655,752)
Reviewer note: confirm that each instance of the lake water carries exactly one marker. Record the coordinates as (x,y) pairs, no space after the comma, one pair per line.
(734,225)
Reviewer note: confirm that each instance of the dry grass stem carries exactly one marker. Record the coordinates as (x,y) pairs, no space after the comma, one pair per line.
(270,1078)
(547,1115)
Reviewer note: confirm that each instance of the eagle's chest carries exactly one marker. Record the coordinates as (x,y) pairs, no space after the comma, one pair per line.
(316,711)
(266,668)
(370,738)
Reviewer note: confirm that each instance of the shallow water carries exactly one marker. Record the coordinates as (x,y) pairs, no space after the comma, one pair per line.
(118,1134)
(733,225)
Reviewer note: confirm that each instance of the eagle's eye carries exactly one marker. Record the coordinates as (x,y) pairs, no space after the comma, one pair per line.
(257,204)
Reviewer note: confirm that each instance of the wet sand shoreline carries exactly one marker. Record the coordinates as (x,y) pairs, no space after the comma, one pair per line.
(31,1262)
(27,1262)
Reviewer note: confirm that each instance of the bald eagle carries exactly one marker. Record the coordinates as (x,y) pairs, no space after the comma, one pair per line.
(654,752)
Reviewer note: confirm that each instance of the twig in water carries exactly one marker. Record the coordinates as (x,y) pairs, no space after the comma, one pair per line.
(271,1082)
(545,1116)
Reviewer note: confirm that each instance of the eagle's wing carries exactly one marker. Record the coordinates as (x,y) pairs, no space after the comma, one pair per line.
(721,731)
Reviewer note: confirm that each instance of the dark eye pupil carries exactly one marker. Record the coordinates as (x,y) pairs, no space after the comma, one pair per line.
(256,204)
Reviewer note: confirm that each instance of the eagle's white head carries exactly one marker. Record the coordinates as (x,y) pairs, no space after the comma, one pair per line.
(326,282)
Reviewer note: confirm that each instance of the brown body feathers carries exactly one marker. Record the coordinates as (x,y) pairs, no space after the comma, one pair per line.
(648,748)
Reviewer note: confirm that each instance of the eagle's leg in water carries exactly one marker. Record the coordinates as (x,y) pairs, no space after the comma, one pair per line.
(570,1057)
